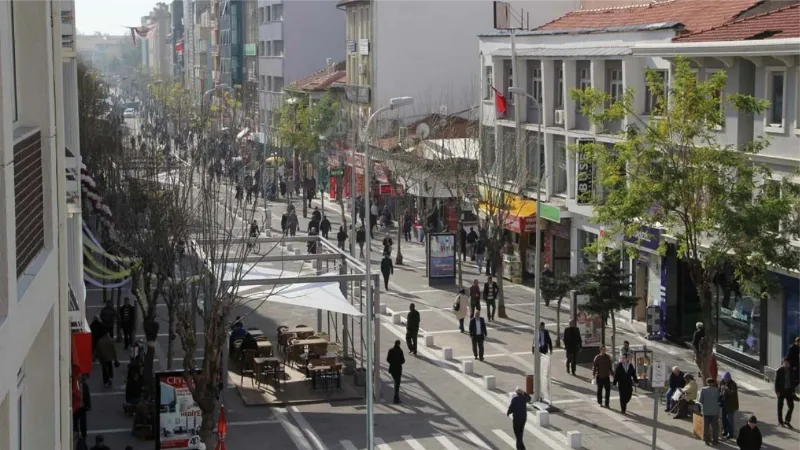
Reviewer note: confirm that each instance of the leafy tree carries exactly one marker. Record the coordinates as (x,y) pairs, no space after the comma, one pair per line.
(670,172)
(556,288)
(607,288)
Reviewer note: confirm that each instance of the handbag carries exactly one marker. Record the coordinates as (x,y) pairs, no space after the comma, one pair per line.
(456,306)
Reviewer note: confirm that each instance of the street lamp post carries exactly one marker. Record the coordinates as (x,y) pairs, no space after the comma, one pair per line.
(537,356)
(394,103)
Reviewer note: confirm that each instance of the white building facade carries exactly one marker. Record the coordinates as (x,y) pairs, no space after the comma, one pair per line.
(38,126)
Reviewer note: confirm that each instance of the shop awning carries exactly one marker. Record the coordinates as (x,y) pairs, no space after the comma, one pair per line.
(520,214)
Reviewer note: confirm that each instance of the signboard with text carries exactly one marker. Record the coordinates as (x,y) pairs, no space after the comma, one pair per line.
(179,418)
(585,178)
(441,258)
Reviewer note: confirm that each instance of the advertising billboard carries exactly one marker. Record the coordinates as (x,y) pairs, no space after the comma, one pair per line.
(179,418)
(441,256)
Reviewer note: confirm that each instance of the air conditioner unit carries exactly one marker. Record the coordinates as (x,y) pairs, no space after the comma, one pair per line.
(403,133)
(559,117)
(362,69)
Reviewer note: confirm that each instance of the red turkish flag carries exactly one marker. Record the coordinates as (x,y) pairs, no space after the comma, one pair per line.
(499,103)
(222,424)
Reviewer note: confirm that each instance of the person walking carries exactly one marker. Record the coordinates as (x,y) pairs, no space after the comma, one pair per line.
(407,226)
(477,331)
(81,402)
(460,308)
(386,268)
(373,217)
(127,321)
(98,330)
(543,340)
(490,293)
(292,223)
(396,359)
(572,344)
(341,237)
(709,406)
(472,237)
(474,298)
(624,378)
(793,355)
(729,400)
(518,410)
(676,382)
(480,252)
(784,389)
(601,371)
(325,226)
(107,355)
(361,238)
(749,435)
(108,316)
(285,223)
(412,329)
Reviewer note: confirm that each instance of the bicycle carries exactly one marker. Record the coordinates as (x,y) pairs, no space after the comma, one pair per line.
(254,244)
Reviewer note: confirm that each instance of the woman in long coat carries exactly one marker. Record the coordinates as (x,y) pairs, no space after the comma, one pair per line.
(624,377)
(461,308)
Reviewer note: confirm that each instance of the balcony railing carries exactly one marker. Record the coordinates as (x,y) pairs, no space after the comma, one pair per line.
(28,199)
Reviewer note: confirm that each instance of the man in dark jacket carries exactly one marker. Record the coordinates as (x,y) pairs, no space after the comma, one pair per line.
(98,330)
(784,389)
(127,321)
(793,355)
(490,292)
(601,371)
(572,345)
(749,435)
(472,237)
(474,298)
(387,268)
(341,237)
(463,243)
(544,341)
(108,316)
(676,381)
(361,238)
(396,359)
(518,410)
(325,226)
(285,223)
(412,328)
(477,331)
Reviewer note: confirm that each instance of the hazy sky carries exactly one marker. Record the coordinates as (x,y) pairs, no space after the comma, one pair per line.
(110,16)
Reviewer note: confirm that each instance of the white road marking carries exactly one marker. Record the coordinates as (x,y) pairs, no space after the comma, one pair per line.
(380,445)
(477,441)
(297,436)
(412,442)
(506,438)
(306,427)
(446,443)
(348,445)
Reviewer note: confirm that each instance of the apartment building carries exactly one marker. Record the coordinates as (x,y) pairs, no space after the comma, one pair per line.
(40,220)
(156,47)
(289,50)
(175,39)
(100,50)
(611,48)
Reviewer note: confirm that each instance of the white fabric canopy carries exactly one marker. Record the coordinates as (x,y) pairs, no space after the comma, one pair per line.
(324,296)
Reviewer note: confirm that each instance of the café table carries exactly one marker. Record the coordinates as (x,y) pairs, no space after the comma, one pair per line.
(301,332)
(264,348)
(255,333)
(323,371)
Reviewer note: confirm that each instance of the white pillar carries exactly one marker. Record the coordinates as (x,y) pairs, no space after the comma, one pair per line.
(570,82)
(597,73)
(633,76)
(549,74)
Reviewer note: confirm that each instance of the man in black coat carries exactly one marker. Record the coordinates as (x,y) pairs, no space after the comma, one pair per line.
(544,341)
(572,345)
(490,293)
(749,435)
(396,359)
(784,389)
(477,331)
(412,328)
(325,226)
(676,381)
(387,268)
(127,321)
(793,355)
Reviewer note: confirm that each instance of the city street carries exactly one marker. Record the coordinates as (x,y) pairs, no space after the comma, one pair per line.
(443,408)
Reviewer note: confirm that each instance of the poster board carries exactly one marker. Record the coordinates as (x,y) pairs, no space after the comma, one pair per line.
(441,258)
(178,417)
(546,392)
(591,327)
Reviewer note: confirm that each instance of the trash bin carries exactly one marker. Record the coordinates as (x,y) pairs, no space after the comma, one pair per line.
(348,365)
(360,376)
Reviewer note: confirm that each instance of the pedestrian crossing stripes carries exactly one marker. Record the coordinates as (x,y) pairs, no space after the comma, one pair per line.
(465,440)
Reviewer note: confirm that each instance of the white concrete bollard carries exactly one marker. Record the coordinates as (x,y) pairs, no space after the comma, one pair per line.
(382,309)
(288,246)
(397,318)
(542,418)
(489,381)
(428,340)
(574,439)
(447,353)
(297,251)
(466,367)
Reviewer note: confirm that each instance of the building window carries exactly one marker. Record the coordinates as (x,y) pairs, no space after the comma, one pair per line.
(584,82)
(536,84)
(489,82)
(615,84)
(560,169)
(560,89)
(277,12)
(29,200)
(277,84)
(651,98)
(775,93)
(277,49)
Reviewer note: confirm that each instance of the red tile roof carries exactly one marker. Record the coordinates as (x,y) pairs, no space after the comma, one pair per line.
(777,24)
(695,15)
(320,80)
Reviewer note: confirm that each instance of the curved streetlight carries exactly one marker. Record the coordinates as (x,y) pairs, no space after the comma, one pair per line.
(394,103)
(537,356)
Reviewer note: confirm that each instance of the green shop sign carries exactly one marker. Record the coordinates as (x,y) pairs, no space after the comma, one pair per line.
(551,213)
(249,49)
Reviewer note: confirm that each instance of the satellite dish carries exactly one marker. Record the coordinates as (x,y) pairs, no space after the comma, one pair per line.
(443,110)
(423,130)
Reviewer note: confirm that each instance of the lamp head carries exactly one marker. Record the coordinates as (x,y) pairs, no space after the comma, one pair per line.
(517,90)
(400,101)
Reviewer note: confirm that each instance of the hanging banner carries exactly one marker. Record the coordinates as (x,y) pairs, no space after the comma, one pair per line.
(179,418)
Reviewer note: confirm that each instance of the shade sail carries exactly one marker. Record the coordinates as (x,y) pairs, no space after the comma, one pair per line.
(325,296)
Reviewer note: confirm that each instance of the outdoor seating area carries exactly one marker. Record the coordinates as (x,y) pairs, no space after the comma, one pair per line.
(304,367)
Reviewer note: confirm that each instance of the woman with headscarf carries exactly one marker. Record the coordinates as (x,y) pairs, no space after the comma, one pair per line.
(729,400)
(624,377)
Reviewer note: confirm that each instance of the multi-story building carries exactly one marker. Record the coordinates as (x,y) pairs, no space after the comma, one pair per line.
(101,50)
(231,46)
(40,219)
(250,26)
(611,49)
(157,50)
(287,51)
(202,63)
(176,39)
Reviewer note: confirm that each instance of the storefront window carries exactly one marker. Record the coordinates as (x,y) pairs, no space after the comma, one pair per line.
(585,239)
(791,296)
(738,318)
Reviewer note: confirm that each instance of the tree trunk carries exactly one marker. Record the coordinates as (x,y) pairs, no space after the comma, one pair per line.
(171,337)
(398,259)
(303,191)
(701,279)
(151,334)
(461,245)
(209,422)
(613,337)
(603,333)
(558,322)
(497,266)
